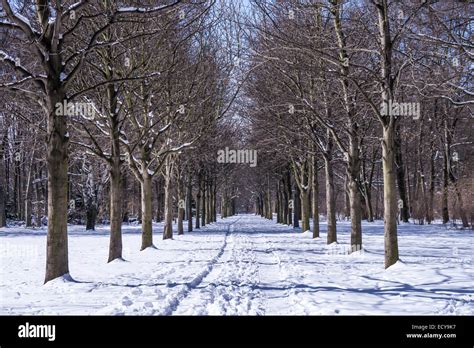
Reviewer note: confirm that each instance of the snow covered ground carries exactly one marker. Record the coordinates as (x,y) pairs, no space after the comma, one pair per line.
(243,265)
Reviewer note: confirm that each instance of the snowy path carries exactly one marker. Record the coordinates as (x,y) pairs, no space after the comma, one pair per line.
(243,265)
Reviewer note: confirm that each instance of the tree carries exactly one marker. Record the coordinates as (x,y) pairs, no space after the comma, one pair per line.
(61,42)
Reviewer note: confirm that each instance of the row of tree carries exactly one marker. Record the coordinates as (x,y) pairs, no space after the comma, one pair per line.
(115,112)
(376,92)
(103,99)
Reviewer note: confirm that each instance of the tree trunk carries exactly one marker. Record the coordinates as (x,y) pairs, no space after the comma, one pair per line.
(302,172)
(38,196)
(115,246)
(289,194)
(347,202)
(28,210)
(268,201)
(459,203)
(422,203)
(214,201)
(211,202)
(181,206)
(28,207)
(445,189)
(57,263)
(189,205)
(353,175)
(265,205)
(305,208)
(270,205)
(147,209)
(91,215)
(159,199)
(367,192)
(330,201)
(233,205)
(278,204)
(452,179)
(297,207)
(404,213)
(314,197)
(198,203)
(284,202)
(208,203)
(224,205)
(3,210)
(168,230)
(17,199)
(388,139)
(355,209)
(368,204)
(117,182)
(203,203)
(431,189)
(390,196)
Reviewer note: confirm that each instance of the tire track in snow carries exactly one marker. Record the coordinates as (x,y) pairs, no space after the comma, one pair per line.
(231,289)
(183,292)
(150,299)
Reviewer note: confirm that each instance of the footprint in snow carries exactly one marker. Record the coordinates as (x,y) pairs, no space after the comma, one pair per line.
(126,301)
(137,292)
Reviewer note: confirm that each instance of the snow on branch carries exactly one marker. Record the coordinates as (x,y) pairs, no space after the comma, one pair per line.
(9,25)
(15,64)
(132,10)
(20,20)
